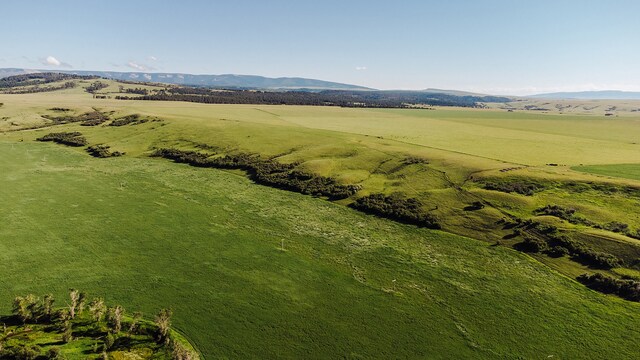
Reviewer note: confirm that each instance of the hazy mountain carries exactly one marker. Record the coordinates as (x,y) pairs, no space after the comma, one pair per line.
(225,80)
(591,95)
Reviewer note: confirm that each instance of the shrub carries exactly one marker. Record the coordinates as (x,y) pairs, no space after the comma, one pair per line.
(627,289)
(66,138)
(102,151)
(406,210)
(522,187)
(532,245)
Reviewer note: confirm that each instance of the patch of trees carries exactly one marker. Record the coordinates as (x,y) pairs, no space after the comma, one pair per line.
(265,171)
(92,118)
(522,187)
(110,328)
(103,151)
(38,89)
(625,288)
(96,86)
(66,138)
(373,99)
(546,239)
(134,119)
(59,109)
(398,208)
(139,91)
(38,79)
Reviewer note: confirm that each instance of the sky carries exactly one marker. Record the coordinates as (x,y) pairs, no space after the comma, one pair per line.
(489,46)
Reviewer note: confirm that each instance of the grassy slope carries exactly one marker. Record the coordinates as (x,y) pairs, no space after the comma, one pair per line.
(149,233)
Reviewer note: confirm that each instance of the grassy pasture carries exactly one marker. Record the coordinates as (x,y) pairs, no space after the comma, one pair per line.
(137,223)
(150,233)
(627,171)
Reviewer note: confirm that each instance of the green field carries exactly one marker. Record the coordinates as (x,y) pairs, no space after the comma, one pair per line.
(149,233)
(255,272)
(627,171)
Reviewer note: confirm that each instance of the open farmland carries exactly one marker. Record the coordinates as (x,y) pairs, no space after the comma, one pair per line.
(296,276)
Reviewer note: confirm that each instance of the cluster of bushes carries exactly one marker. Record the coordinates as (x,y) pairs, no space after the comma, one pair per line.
(102,151)
(133,119)
(96,86)
(522,187)
(546,239)
(59,109)
(139,91)
(265,172)
(569,214)
(92,118)
(414,160)
(108,327)
(66,138)
(625,288)
(396,207)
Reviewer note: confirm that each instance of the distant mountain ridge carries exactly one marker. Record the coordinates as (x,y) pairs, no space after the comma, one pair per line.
(591,95)
(224,80)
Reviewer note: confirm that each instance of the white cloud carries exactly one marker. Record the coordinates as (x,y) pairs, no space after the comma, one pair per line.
(136,66)
(134,76)
(147,76)
(52,61)
(361,68)
(139,67)
(153,58)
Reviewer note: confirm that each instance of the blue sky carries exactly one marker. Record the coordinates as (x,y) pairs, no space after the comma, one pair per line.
(493,46)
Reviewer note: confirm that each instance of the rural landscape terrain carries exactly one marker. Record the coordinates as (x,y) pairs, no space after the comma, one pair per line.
(339,223)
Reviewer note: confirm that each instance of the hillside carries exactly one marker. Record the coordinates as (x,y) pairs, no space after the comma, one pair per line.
(222,81)
(591,95)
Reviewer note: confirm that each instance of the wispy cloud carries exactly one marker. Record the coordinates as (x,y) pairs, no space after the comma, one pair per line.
(153,58)
(52,61)
(361,68)
(139,67)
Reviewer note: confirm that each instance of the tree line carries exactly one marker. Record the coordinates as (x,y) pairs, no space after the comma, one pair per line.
(264,171)
(342,98)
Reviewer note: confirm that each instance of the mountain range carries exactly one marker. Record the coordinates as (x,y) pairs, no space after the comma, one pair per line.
(223,81)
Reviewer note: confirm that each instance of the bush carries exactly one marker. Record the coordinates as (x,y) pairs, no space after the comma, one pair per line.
(521,187)
(102,151)
(65,138)
(627,289)
(405,210)
(558,251)
(134,119)
(532,245)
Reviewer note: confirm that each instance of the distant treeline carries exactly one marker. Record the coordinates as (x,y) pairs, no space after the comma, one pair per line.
(374,99)
(38,79)
(265,172)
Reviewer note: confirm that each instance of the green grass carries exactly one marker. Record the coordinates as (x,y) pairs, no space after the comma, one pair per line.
(147,233)
(627,171)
